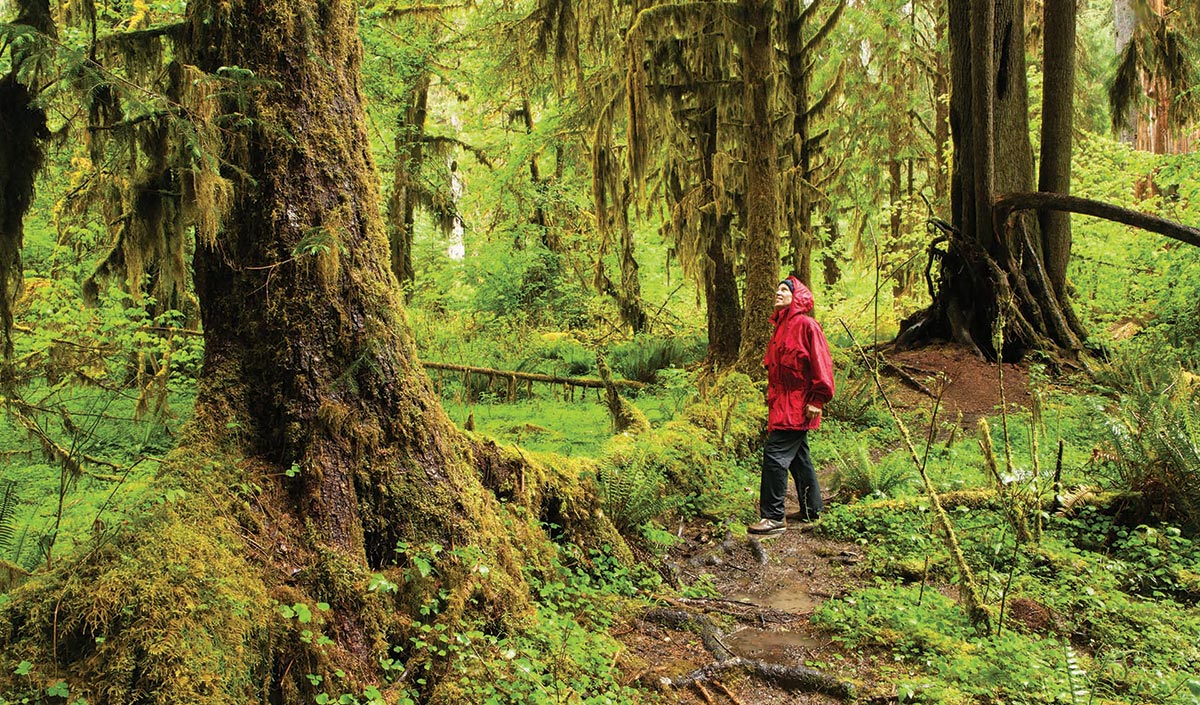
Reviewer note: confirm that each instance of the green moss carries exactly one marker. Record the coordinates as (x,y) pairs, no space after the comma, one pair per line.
(168,611)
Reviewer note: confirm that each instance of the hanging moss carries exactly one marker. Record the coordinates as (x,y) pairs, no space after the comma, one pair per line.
(20,159)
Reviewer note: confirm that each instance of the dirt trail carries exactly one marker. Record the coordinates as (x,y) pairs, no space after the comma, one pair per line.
(769,588)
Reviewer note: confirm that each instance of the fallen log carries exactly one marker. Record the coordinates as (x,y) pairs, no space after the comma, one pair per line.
(589,382)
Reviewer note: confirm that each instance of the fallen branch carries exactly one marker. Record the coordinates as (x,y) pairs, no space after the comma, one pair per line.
(888,368)
(1009,203)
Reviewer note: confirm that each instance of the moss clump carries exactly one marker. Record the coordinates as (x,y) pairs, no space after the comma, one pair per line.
(167,611)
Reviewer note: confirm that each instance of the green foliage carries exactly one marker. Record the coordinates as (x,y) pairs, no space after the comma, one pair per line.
(8,503)
(859,476)
(644,355)
(532,285)
(1154,435)
(633,490)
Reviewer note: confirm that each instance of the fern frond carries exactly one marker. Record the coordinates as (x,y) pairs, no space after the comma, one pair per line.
(1076,678)
(8,508)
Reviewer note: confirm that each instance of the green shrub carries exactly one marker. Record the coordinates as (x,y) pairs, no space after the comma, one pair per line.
(859,476)
(642,357)
(1154,437)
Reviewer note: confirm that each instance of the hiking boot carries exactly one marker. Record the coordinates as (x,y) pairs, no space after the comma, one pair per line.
(803,516)
(767,527)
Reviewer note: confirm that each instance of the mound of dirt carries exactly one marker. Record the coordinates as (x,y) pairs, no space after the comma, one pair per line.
(967,384)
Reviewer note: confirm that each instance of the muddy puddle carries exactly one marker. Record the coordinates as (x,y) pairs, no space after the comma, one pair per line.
(795,600)
(772,647)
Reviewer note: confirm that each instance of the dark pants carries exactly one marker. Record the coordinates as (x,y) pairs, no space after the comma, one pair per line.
(787,451)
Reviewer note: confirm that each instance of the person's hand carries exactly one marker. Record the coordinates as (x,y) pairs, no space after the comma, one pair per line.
(811,411)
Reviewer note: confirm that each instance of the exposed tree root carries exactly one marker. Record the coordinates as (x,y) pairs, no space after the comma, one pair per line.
(795,679)
(790,678)
(742,611)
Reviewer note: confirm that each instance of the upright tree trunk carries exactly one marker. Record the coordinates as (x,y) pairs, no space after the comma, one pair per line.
(992,272)
(1057,136)
(410,142)
(306,345)
(1124,24)
(23,123)
(831,268)
(762,236)
(722,301)
(941,112)
(629,298)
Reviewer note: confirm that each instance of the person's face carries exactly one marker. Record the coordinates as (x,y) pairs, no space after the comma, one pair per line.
(783,296)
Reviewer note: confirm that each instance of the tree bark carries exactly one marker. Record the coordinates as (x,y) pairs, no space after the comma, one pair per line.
(990,275)
(762,236)
(21,153)
(1058,107)
(1124,23)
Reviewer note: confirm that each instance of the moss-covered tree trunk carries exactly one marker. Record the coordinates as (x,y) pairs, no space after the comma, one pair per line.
(721,298)
(308,361)
(762,208)
(410,148)
(22,129)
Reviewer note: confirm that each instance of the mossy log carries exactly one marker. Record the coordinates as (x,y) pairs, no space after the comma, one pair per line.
(586,382)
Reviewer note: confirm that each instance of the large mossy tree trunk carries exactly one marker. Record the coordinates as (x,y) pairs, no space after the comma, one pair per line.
(992,271)
(762,207)
(307,351)
(318,454)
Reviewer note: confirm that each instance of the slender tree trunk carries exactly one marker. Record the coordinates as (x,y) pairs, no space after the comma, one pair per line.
(721,297)
(762,236)
(832,270)
(549,239)
(1124,23)
(629,299)
(1058,107)
(941,111)
(409,143)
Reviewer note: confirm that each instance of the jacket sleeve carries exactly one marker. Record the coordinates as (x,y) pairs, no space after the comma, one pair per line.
(821,365)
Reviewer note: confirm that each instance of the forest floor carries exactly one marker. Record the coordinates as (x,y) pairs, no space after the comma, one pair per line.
(768,588)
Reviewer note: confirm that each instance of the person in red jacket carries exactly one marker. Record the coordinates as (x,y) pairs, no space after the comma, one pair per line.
(799,384)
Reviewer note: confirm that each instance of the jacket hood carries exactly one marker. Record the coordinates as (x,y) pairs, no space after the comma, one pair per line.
(802,298)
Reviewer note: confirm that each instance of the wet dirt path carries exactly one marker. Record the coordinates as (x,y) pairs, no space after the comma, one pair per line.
(767,590)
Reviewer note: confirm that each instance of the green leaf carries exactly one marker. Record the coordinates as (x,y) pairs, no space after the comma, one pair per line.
(59,690)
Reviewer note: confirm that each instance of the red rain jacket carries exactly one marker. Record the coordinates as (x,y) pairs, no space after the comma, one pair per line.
(799,367)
